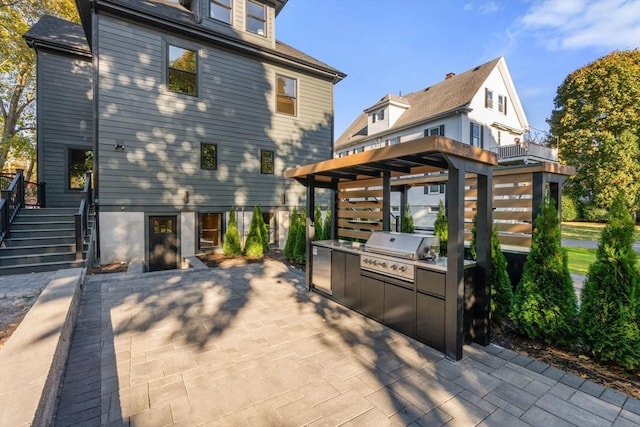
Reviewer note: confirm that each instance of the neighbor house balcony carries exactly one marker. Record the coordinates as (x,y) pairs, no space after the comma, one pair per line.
(527,152)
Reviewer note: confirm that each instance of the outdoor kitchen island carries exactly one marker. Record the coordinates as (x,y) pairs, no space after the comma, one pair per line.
(412,305)
(361,185)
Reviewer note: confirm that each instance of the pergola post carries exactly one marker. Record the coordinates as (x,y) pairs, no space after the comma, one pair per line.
(403,204)
(386,200)
(480,329)
(311,208)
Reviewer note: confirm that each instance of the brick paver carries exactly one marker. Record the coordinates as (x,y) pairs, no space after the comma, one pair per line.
(248,345)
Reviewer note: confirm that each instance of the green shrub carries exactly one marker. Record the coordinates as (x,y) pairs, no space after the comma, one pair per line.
(544,306)
(595,214)
(474,230)
(569,209)
(264,229)
(407,221)
(441,228)
(326,228)
(231,245)
(318,225)
(253,246)
(291,236)
(610,315)
(300,248)
(501,292)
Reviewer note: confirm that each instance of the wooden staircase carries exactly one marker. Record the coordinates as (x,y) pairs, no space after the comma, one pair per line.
(42,240)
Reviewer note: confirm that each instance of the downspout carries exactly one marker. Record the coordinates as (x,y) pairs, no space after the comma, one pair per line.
(96,124)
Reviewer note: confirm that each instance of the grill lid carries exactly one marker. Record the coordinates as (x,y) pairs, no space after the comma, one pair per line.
(412,246)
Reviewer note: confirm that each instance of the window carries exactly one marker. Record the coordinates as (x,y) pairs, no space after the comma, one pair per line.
(439,130)
(182,74)
(256,17)
(208,156)
(286,94)
(220,10)
(434,189)
(502,104)
(163,226)
(488,98)
(80,162)
(210,231)
(266,161)
(476,135)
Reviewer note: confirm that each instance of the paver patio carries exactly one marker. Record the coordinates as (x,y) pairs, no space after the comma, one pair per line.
(248,345)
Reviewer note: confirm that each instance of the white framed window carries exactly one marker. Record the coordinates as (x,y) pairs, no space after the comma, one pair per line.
(438,130)
(502,104)
(434,189)
(220,10)
(286,95)
(488,98)
(476,135)
(256,18)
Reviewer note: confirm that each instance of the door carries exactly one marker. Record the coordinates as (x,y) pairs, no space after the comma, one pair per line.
(163,248)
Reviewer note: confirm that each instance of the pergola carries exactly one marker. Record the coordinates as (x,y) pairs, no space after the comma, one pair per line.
(418,157)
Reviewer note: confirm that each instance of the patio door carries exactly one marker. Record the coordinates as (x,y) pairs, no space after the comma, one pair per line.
(163,247)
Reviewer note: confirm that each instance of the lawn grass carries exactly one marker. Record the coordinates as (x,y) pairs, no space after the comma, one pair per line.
(580,259)
(588,231)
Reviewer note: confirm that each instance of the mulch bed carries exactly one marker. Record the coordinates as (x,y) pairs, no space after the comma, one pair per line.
(118,267)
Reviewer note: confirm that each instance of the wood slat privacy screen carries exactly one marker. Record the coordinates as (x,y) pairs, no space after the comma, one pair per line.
(359,209)
(512,207)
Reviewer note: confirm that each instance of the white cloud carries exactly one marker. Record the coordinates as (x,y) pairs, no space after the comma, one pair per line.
(488,8)
(468,6)
(575,24)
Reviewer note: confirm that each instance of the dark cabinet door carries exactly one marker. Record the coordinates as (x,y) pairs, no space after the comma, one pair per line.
(338,280)
(352,281)
(399,308)
(430,320)
(372,298)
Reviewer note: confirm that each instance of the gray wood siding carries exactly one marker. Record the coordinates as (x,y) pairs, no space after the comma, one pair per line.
(65,117)
(162,131)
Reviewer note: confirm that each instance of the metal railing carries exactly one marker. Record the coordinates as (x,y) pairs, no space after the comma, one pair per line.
(526,151)
(11,202)
(82,216)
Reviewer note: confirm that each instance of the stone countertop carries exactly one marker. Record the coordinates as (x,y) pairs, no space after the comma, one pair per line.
(358,248)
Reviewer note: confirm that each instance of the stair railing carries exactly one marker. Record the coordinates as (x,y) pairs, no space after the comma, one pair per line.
(82,216)
(11,202)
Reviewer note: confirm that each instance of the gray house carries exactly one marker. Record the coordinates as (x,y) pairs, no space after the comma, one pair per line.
(182,111)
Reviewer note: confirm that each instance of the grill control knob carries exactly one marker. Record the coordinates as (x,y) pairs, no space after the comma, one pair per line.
(384,265)
(394,267)
(403,268)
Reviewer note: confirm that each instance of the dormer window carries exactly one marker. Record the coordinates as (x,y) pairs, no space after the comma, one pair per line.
(220,10)
(488,99)
(377,116)
(256,18)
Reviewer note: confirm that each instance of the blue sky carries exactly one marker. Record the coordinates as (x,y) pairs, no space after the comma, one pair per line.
(388,46)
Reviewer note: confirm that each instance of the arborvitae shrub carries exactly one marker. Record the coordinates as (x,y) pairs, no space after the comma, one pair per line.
(407,221)
(231,245)
(291,236)
(441,228)
(317,225)
(253,246)
(264,229)
(544,306)
(501,292)
(300,248)
(569,209)
(326,228)
(610,316)
(474,230)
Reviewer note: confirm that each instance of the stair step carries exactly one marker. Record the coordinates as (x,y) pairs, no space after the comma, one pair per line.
(36,250)
(40,258)
(48,211)
(21,225)
(29,219)
(49,233)
(38,268)
(39,240)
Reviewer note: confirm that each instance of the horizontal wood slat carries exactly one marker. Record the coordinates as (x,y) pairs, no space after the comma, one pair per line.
(510,215)
(512,203)
(351,234)
(507,179)
(353,194)
(345,213)
(363,183)
(517,190)
(513,228)
(515,240)
(360,225)
(360,204)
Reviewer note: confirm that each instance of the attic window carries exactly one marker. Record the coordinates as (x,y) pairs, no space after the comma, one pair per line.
(502,104)
(256,18)
(488,99)
(220,10)
(377,116)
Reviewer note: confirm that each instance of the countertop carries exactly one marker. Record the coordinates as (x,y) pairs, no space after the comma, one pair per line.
(358,248)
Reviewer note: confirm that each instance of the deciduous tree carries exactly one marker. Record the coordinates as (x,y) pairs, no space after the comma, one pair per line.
(596,120)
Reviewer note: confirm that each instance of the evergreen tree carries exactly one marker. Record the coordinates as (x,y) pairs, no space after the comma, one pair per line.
(253,245)
(317,225)
(326,228)
(231,246)
(291,236)
(441,228)
(501,292)
(264,230)
(407,221)
(545,306)
(300,248)
(474,230)
(610,317)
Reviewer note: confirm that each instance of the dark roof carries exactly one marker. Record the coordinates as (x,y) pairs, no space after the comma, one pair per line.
(56,33)
(447,95)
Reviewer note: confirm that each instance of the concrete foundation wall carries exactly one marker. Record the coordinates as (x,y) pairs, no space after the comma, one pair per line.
(122,236)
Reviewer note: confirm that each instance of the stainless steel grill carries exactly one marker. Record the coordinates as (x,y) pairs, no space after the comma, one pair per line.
(391,253)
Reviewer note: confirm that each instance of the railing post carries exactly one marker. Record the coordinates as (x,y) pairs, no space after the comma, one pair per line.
(79,236)
(42,195)
(20,200)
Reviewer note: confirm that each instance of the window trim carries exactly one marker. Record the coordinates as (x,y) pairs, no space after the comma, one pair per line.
(67,168)
(502,106)
(202,165)
(168,68)
(258,18)
(480,135)
(488,98)
(439,129)
(294,97)
(273,161)
(230,8)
